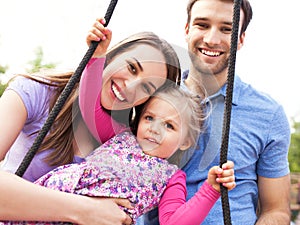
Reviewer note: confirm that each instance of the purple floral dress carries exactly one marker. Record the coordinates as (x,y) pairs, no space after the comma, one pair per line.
(118,168)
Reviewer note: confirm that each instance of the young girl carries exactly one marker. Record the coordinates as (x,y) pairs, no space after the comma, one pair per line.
(136,167)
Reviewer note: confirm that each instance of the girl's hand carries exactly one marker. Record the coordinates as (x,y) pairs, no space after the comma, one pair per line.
(99,33)
(224,176)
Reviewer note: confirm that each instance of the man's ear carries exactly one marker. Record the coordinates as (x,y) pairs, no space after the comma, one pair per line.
(187,30)
(185,146)
(241,41)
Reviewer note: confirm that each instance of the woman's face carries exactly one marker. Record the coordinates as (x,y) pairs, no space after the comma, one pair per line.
(131,77)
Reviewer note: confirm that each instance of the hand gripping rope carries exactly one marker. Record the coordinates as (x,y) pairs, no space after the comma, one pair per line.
(76,77)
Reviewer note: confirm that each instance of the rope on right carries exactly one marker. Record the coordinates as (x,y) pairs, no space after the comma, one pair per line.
(228,105)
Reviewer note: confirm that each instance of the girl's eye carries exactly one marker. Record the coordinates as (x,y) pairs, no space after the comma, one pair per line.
(149,118)
(147,89)
(169,126)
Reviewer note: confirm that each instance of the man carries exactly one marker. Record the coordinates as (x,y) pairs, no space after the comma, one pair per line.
(259,135)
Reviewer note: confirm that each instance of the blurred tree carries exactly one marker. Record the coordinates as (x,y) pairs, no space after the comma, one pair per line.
(37,64)
(294,150)
(2,71)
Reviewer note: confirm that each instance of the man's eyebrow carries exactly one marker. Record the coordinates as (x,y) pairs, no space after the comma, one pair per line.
(138,63)
(206,19)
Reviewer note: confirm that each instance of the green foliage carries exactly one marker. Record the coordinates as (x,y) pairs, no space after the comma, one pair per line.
(3,69)
(294,150)
(2,88)
(37,64)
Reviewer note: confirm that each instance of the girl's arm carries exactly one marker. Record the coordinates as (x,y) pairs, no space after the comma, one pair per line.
(91,80)
(22,200)
(173,208)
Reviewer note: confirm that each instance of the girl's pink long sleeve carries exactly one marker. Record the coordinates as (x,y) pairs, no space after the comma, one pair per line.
(173,208)
(99,123)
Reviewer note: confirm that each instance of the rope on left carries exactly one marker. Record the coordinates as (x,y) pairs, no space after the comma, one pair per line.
(62,98)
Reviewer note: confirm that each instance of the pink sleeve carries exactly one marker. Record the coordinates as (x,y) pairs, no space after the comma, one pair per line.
(99,123)
(173,208)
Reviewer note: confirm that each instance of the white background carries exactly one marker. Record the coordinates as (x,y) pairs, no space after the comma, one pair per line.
(268,59)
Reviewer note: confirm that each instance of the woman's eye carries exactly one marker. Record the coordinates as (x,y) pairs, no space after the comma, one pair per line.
(132,68)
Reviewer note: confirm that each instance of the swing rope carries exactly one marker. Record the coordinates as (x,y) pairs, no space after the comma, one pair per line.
(62,98)
(228,106)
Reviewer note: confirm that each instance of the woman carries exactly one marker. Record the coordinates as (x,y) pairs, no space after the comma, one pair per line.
(27,101)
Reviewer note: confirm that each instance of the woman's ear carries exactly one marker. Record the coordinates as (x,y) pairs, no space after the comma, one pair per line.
(185,146)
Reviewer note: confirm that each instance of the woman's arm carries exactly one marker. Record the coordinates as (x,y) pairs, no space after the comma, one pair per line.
(22,200)
(13,115)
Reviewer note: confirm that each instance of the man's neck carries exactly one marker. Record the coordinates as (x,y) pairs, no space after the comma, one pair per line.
(211,83)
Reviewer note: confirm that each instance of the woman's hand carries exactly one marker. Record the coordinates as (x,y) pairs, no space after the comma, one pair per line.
(105,211)
(99,33)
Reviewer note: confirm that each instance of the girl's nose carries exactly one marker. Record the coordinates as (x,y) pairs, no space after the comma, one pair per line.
(155,127)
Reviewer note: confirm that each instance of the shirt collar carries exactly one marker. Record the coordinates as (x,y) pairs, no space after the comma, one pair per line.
(236,88)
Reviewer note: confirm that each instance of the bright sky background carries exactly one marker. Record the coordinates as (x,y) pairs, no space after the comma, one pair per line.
(268,59)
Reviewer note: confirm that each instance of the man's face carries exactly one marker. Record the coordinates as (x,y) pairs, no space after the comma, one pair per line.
(208,35)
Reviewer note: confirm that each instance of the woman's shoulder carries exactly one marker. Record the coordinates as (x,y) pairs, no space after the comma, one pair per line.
(35,95)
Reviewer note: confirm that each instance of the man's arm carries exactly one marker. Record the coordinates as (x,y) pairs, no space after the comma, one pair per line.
(274,201)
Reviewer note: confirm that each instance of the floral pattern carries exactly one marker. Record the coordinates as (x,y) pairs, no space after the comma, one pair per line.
(118,168)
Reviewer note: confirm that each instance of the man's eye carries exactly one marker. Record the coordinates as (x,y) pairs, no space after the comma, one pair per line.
(202,25)
(226,30)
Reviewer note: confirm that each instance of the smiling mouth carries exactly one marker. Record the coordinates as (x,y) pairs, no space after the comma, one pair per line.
(152,140)
(117,93)
(210,53)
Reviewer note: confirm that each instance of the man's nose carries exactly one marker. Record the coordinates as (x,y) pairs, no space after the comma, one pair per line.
(212,36)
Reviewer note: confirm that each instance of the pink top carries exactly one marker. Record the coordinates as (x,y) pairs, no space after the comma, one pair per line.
(100,124)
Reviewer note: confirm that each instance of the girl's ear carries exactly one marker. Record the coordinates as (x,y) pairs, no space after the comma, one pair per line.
(185,146)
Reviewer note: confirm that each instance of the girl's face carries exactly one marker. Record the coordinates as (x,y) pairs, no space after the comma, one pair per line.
(162,130)
(131,77)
